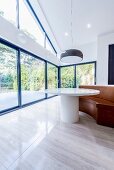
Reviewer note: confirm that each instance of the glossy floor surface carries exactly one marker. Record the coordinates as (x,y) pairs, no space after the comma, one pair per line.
(34,138)
(27,97)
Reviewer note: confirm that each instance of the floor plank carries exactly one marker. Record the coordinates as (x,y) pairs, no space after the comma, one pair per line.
(34,138)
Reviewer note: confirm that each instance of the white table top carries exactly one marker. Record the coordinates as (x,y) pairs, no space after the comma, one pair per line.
(72,91)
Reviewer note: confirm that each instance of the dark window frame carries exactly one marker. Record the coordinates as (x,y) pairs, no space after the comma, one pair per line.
(75,85)
(9,44)
(74,74)
(19,49)
(17,60)
(57,77)
(37,20)
(34,56)
(40,24)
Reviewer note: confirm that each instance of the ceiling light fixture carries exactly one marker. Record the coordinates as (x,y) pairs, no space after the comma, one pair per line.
(71,56)
(66,34)
(88,25)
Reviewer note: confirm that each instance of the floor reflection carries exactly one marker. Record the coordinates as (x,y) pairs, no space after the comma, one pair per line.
(20,129)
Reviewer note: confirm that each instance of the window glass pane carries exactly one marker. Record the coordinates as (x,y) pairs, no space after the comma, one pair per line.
(52,77)
(49,47)
(8,77)
(8,10)
(32,78)
(85,74)
(67,77)
(29,25)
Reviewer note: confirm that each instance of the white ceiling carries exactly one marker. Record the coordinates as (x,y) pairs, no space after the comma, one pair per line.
(57,14)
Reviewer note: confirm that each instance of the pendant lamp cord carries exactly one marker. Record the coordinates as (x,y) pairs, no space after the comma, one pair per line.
(71,25)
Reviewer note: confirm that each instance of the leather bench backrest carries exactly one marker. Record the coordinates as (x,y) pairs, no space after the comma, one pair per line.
(106,92)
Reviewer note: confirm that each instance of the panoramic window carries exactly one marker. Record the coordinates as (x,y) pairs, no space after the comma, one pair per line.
(85,74)
(28,23)
(67,77)
(8,10)
(8,78)
(52,77)
(32,78)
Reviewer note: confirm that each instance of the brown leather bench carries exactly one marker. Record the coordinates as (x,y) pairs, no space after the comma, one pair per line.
(101,106)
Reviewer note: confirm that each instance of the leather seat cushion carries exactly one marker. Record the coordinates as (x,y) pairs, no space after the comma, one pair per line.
(95,100)
(106,92)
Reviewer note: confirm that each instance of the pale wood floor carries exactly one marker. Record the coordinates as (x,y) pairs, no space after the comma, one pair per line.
(33,138)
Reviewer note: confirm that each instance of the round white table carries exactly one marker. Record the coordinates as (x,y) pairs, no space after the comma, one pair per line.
(69,110)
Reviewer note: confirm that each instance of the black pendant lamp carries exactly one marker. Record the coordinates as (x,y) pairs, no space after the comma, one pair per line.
(71,56)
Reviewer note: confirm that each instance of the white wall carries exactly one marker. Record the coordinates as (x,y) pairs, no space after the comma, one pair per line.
(10,33)
(89,51)
(102,57)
